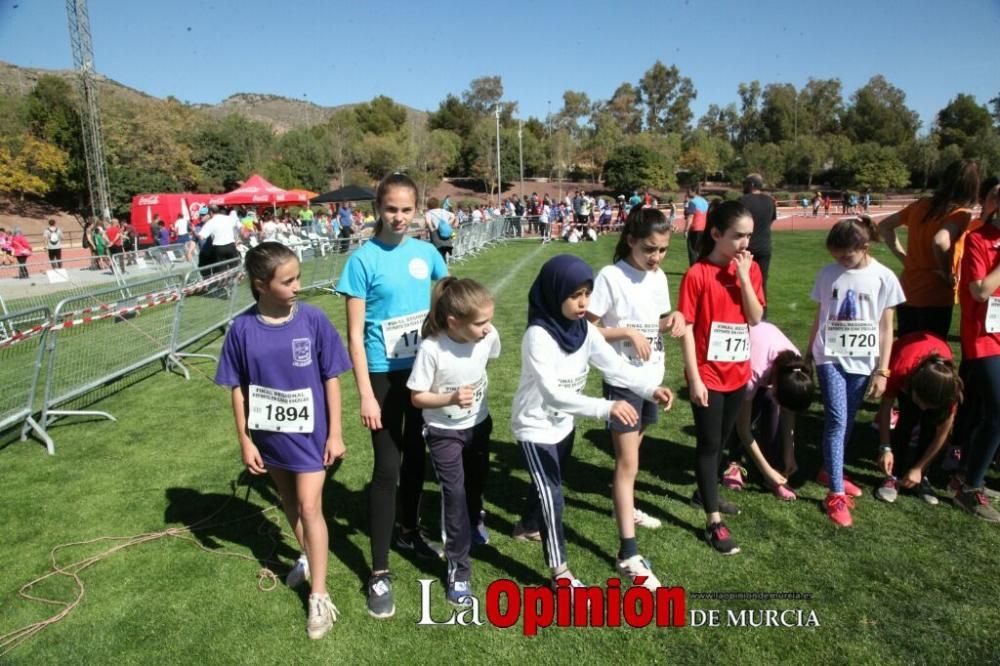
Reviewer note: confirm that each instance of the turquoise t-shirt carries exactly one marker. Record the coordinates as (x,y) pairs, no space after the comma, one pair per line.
(395,283)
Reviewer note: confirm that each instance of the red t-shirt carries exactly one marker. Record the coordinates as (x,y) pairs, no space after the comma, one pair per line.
(978,259)
(114,235)
(711,293)
(907,353)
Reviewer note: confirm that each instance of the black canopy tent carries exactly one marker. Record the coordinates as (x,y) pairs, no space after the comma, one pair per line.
(348,193)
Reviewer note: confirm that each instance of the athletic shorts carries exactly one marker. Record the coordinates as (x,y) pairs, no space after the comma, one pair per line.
(648,411)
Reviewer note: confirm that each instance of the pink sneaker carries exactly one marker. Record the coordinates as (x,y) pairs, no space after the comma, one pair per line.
(733,478)
(784,493)
(849,488)
(838,509)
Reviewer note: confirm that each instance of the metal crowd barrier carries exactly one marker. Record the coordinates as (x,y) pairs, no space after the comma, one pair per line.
(89,346)
(21,337)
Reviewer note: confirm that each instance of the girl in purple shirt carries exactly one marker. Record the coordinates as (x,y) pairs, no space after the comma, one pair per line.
(282,359)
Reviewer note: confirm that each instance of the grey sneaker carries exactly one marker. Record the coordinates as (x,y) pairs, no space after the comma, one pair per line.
(975,502)
(380,601)
(299,573)
(322,615)
(926,492)
(637,568)
(887,491)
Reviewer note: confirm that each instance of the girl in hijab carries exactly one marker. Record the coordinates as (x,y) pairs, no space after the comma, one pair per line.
(557,349)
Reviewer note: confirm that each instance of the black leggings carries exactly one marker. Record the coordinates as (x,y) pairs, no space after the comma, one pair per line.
(399,456)
(936,319)
(713,425)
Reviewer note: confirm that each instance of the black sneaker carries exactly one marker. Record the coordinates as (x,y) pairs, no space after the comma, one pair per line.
(380,601)
(720,539)
(725,506)
(413,542)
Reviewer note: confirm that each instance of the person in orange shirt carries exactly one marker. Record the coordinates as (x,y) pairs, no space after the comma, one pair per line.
(934,226)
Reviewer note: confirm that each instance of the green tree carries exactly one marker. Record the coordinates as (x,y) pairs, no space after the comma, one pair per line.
(878,113)
(625,106)
(636,167)
(230,150)
(750,127)
(767,159)
(667,96)
(344,135)
(722,123)
(820,107)
(483,94)
(877,167)
(52,116)
(453,115)
(308,154)
(922,157)
(380,116)
(434,152)
(598,145)
(805,158)
(380,154)
(779,112)
(704,155)
(961,120)
(30,166)
(575,106)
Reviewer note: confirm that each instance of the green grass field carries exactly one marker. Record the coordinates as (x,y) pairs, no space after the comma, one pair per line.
(908,584)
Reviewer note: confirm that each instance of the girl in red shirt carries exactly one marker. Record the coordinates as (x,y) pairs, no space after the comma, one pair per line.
(720,295)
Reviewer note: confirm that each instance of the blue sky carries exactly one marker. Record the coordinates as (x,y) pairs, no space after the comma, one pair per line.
(340,52)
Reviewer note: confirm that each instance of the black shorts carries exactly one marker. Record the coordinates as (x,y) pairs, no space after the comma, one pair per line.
(648,411)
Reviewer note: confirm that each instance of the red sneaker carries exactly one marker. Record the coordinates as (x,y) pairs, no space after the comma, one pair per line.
(849,488)
(838,509)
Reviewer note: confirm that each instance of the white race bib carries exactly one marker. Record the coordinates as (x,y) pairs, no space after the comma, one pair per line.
(652,334)
(993,315)
(851,339)
(478,394)
(280,411)
(574,384)
(402,335)
(729,343)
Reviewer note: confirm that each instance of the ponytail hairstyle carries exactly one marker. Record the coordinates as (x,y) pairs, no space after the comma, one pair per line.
(391,181)
(936,383)
(461,298)
(640,223)
(262,261)
(852,233)
(792,379)
(721,216)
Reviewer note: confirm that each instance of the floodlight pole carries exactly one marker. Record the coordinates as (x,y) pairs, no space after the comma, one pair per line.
(498,153)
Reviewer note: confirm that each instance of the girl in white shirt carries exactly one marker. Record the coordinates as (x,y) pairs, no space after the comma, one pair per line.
(631,301)
(449,384)
(557,349)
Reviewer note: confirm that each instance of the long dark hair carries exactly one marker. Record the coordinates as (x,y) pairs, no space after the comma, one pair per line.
(640,223)
(792,380)
(959,188)
(721,216)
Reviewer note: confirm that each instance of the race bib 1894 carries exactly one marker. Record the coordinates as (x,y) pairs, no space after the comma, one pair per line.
(851,339)
(402,335)
(729,343)
(280,411)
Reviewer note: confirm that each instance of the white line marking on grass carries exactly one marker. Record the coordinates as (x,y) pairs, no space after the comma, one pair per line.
(505,280)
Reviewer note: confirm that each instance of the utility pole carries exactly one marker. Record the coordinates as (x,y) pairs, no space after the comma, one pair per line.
(90,113)
(498,153)
(520,154)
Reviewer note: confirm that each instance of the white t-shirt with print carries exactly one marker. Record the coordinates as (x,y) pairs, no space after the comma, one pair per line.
(859,294)
(625,297)
(442,365)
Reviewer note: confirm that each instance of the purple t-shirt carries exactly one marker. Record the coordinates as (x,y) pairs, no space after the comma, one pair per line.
(289,362)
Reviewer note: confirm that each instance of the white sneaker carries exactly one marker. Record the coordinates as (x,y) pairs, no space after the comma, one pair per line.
(322,615)
(299,573)
(636,567)
(643,519)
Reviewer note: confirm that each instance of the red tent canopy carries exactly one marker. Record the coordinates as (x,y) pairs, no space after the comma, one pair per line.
(256,190)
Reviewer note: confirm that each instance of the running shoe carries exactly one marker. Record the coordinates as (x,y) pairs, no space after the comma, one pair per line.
(460,593)
(637,569)
(823,479)
(926,492)
(480,535)
(838,509)
(299,573)
(734,476)
(522,533)
(974,501)
(887,492)
(413,541)
(322,615)
(380,600)
(784,493)
(720,539)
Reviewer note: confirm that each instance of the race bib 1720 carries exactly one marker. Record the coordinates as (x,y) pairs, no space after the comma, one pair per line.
(851,339)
